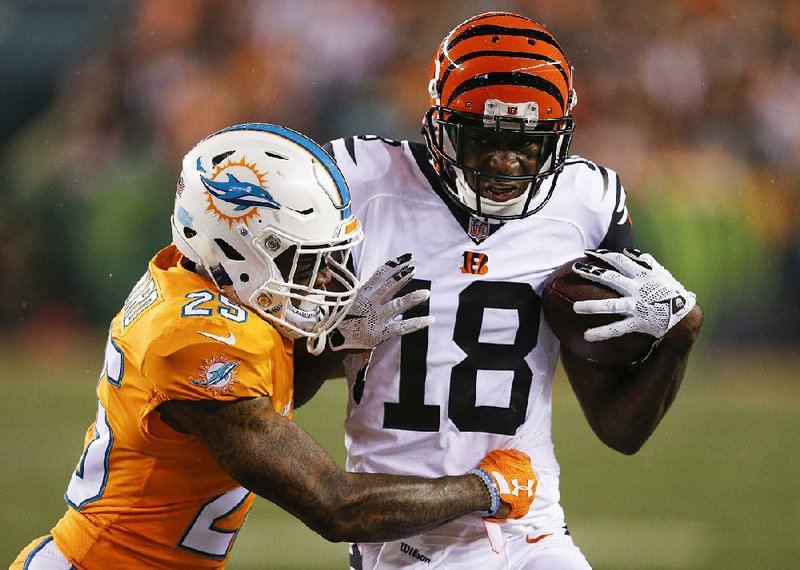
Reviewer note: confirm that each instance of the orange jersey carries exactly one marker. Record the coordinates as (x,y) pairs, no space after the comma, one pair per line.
(142,494)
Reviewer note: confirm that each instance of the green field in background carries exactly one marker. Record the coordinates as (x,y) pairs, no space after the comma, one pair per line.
(716,487)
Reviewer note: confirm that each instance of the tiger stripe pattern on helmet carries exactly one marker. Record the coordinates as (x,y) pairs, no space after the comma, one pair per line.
(503,77)
(501,56)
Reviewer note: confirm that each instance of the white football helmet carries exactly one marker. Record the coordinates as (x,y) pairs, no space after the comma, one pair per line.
(265,213)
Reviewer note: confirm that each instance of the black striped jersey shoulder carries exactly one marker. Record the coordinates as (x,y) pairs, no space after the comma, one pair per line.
(596,193)
(362,153)
(380,167)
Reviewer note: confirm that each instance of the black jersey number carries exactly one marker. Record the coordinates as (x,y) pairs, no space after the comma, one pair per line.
(413,414)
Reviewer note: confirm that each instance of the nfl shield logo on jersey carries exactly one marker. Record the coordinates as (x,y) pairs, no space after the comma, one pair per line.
(478,228)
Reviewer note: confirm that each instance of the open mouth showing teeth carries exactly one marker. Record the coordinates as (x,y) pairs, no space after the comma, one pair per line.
(501,193)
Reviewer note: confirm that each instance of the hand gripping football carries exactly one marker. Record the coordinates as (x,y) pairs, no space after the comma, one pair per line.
(561,290)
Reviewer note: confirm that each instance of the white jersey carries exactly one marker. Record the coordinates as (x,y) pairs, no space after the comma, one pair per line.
(480,377)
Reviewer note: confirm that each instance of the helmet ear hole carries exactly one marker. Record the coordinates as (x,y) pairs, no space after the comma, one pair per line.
(285,260)
(189,232)
(230,252)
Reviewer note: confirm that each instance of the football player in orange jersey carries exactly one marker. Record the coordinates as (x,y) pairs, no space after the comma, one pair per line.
(195,398)
(489,206)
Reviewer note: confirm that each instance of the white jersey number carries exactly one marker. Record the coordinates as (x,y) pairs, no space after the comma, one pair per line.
(202,304)
(204,536)
(411,413)
(89,479)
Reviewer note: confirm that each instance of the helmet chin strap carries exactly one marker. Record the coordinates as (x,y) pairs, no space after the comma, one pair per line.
(298,322)
(488,206)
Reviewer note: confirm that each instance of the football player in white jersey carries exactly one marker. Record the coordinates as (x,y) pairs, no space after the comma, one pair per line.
(489,206)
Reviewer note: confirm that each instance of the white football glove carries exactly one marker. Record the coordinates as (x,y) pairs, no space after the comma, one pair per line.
(373,317)
(652,300)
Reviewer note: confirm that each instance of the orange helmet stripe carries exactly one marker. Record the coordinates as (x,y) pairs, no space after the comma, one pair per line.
(509,78)
(508,54)
(493,30)
(498,51)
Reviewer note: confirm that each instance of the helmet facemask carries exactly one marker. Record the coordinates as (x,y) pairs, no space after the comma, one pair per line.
(456,139)
(291,297)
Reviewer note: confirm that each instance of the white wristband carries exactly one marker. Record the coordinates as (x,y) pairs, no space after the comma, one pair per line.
(489,482)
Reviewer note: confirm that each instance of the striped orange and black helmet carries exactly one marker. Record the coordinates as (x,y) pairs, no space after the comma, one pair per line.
(503,77)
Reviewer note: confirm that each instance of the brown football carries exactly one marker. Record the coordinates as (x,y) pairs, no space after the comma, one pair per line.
(561,289)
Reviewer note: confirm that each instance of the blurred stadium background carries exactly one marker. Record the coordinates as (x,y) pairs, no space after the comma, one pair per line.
(696,103)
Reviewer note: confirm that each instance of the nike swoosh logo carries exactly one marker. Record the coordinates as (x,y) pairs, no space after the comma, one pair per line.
(229,340)
(539,538)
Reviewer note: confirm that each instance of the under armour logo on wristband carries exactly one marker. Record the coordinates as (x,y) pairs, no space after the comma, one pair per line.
(517,488)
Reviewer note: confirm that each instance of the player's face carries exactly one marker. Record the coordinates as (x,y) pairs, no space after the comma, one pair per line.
(305,266)
(500,153)
(304,269)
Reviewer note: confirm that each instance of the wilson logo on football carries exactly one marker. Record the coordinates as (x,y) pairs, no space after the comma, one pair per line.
(475,263)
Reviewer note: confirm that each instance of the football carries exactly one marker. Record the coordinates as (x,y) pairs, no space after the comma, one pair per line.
(561,289)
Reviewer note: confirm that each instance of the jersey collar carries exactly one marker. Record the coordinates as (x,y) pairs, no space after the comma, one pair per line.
(466,220)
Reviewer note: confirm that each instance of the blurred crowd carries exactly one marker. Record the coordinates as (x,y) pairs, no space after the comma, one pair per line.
(696,103)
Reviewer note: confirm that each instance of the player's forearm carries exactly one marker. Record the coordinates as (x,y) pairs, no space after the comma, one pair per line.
(274,458)
(667,365)
(360,507)
(624,406)
(645,396)
(365,507)
(641,401)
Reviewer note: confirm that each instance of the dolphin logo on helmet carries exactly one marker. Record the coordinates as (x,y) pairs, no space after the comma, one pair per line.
(241,194)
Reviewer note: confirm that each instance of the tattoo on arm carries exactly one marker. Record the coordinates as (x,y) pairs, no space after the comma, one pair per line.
(274,458)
